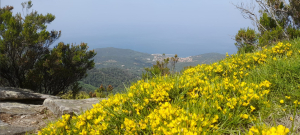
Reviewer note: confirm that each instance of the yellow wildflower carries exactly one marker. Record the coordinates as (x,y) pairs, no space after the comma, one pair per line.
(281,101)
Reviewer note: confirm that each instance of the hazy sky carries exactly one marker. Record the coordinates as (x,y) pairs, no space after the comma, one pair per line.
(183,27)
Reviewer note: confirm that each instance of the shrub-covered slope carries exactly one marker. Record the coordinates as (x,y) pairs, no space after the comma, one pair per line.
(116,77)
(253,93)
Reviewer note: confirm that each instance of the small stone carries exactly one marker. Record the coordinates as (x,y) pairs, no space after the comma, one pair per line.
(34,122)
(23,116)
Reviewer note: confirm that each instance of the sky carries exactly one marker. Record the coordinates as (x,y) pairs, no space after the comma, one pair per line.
(183,27)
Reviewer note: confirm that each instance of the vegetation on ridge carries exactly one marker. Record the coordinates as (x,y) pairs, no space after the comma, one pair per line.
(118,78)
(244,93)
(277,20)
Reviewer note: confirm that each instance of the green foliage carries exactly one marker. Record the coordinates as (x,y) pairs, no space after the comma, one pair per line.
(270,37)
(161,68)
(293,33)
(283,73)
(76,92)
(62,67)
(100,94)
(70,95)
(294,9)
(86,87)
(246,39)
(26,60)
(173,61)
(100,89)
(110,88)
(75,89)
(22,42)
(113,76)
(267,21)
(277,21)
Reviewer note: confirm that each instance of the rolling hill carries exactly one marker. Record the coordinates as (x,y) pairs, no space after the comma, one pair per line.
(122,58)
(116,67)
(135,62)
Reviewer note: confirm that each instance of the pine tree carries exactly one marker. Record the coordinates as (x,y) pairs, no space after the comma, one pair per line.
(26,61)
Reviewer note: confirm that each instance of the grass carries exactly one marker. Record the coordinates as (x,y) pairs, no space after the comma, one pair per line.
(253,93)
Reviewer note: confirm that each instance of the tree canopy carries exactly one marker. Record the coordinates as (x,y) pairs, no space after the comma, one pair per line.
(276,20)
(26,61)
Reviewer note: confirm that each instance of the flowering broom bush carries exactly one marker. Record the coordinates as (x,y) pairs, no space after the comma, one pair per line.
(231,96)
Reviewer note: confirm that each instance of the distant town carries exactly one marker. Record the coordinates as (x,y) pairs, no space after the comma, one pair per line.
(160,57)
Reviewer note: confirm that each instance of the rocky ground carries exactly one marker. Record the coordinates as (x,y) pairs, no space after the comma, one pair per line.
(26,122)
(23,111)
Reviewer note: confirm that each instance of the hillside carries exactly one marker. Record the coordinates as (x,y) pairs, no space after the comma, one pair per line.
(115,66)
(135,62)
(122,58)
(116,77)
(253,93)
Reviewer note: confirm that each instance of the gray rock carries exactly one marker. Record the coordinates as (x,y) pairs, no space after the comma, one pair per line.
(64,106)
(3,123)
(14,130)
(20,109)
(10,93)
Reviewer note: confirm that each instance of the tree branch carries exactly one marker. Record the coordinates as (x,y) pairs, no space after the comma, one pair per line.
(273,16)
(247,14)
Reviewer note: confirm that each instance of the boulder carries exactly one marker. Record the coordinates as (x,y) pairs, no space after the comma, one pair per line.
(15,108)
(67,106)
(17,118)
(14,130)
(23,95)
(22,110)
